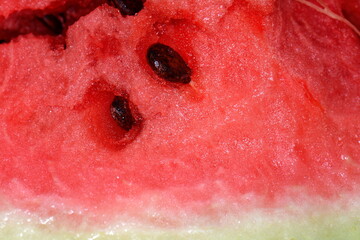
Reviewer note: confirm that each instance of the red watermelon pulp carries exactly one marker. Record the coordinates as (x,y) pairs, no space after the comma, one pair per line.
(262,143)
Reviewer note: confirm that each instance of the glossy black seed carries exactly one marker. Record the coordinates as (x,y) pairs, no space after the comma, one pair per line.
(2,41)
(128,7)
(168,64)
(121,113)
(53,23)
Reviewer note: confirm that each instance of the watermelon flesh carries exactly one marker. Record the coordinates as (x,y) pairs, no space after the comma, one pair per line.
(263,140)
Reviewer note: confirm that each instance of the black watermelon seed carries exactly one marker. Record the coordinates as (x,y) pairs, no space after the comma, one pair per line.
(53,23)
(128,7)
(168,64)
(2,41)
(121,113)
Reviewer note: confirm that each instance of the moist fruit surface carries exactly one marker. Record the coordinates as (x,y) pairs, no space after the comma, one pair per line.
(184,113)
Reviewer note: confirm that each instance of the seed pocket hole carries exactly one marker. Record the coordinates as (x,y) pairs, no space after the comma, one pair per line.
(110,116)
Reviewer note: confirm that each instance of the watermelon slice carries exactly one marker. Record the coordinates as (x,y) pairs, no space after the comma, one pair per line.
(218,119)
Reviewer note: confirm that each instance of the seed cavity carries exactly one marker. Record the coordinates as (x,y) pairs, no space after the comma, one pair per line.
(121,113)
(168,64)
(53,23)
(128,7)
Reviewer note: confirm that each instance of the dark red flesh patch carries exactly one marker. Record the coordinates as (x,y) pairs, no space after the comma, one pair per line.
(351,11)
(128,7)
(52,21)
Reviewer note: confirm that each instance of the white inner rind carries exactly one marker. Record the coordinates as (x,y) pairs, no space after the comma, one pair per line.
(308,221)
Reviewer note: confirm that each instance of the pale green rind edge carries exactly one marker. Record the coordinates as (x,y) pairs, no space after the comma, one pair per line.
(329,225)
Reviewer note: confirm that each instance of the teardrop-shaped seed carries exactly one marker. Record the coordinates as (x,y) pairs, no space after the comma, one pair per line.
(53,23)
(121,113)
(168,64)
(128,7)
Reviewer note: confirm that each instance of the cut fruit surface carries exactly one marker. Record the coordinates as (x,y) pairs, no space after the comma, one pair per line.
(268,123)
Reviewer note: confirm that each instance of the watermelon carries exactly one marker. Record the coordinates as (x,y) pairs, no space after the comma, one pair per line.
(163,119)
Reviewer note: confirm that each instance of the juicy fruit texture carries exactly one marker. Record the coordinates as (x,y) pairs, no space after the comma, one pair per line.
(271,117)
